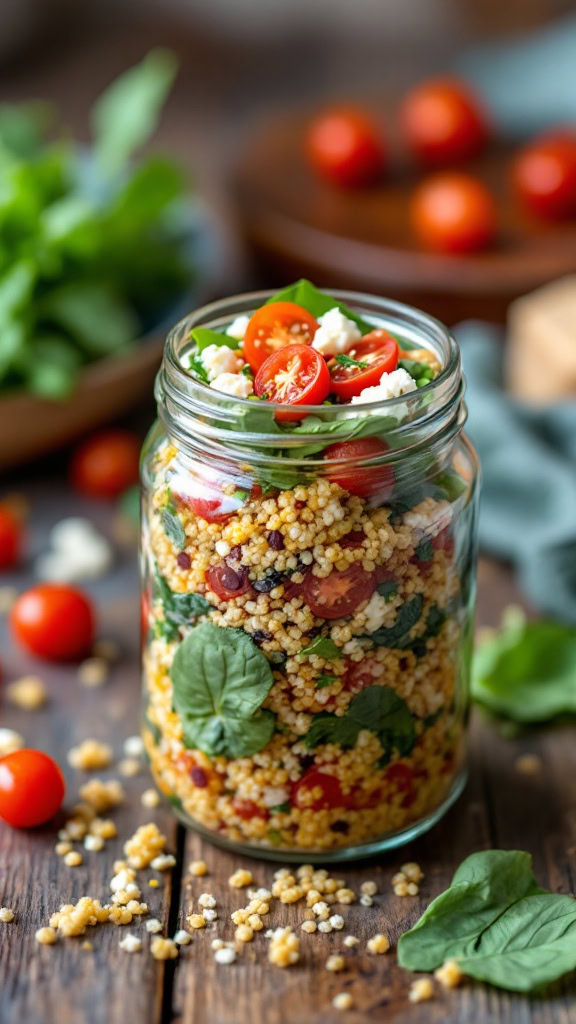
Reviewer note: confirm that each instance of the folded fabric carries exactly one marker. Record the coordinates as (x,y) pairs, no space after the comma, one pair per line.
(528,458)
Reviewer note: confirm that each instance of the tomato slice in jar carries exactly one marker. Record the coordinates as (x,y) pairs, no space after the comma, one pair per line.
(374,482)
(296,375)
(247,809)
(330,794)
(275,326)
(376,354)
(340,593)
(402,778)
(226,582)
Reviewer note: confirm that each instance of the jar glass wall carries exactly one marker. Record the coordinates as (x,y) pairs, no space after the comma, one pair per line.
(308,611)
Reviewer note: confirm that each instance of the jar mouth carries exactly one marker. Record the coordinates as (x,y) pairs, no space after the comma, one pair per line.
(194,412)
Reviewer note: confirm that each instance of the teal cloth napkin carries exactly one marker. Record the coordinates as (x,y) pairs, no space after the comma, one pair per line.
(528,458)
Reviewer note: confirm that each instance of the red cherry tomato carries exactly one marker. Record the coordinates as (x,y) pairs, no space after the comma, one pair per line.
(443,121)
(54,621)
(296,375)
(402,778)
(274,326)
(338,594)
(247,809)
(544,175)
(453,213)
(363,481)
(345,146)
(32,788)
(331,794)
(10,538)
(377,353)
(226,582)
(106,464)
(444,541)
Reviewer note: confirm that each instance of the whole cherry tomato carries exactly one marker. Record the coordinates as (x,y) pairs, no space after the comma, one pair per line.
(10,538)
(453,213)
(274,326)
(544,175)
(295,375)
(54,621)
(106,464)
(340,593)
(345,146)
(443,121)
(363,481)
(32,788)
(330,792)
(363,366)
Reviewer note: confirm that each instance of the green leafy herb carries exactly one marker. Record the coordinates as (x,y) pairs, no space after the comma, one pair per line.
(282,808)
(179,609)
(205,337)
(424,551)
(305,294)
(397,636)
(173,528)
(345,360)
(197,367)
(246,371)
(528,671)
(323,647)
(240,494)
(378,709)
(387,589)
(274,837)
(220,679)
(325,680)
(421,372)
(497,923)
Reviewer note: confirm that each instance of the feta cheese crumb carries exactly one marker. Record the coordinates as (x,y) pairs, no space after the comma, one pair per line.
(218,360)
(153,925)
(6,915)
(133,746)
(93,672)
(337,922)
(28,693)
(421,990)
(225,955)
(237,328)
(351,941)
(93,843)
(150,798)
(391,385)
(206,900)
(10,740)
(336,333)
(335,963)
(163,862)
(182,937)
(233,384)
(131,943)
(343,1001)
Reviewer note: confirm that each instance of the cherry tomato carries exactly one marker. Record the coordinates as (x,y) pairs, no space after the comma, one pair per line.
(377,353)
(444,541)
(296,375)
(247,809)
(344,145)
(359,675)
(54,621)
(106,464)
(10,538)
(226,582)
(314,778)
(443,121)
(453,213)
(274,326)
(363,481)
(32,788)
(338,594)
(544,175)
(402,778)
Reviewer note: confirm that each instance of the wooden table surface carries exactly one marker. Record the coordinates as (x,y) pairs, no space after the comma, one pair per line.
(65,984)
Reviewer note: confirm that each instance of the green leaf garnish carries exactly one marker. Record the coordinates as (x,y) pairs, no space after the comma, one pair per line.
(378,709)
(179,609)
(305,294)
(323,647)
(345,360)
(387,589)
(203,337)
(282,808)
(197,367)
(424,551)
(173,528)
(325,680)
(407,616)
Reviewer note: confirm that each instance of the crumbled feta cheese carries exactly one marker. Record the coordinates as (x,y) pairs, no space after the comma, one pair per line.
(391,385)
(274,795)
(163,862)
(233,384)
(225,956)
(131,943)
(10,740)
(376,612)
(182,937)
(153,925)
(77,552)
(336,333)
(238,327)
(219,359)
(133,746)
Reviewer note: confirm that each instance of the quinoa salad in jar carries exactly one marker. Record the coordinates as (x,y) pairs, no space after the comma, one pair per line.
(308,560)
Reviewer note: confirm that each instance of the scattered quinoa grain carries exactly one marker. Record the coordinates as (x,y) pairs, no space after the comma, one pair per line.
(198,868)
(6,915)
(108,650)
(63,847)
(350,941)
(28,693)
(102,795)
(449,975)
(90,756)
(164,862)
(150,798)
(335,963)
(73,859)
(163,949)
(421,990)
(309,926)
(528,764)
(153,883)
(345,896)
(240,879)
(368,888)
(86,945)
(146,844)
(93,843)
(10,740)
(284,948)
(244,933)
(197,921)
(378,944)
(104,828)
(343,1001)
(46,936)
(412,871)
(133,746)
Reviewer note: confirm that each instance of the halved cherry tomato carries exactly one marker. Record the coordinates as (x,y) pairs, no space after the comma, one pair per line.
(32,788)
(453,213)
(443,121)
(314,778)
(295,375)
(402,778)
(209,509)
(106,464)
(247,809)
(338,594)
(274,326)
(226,582)
(544,175)
(363,481)
(345,146)
(54,621)
(10,538)
(358,675)
(377,353)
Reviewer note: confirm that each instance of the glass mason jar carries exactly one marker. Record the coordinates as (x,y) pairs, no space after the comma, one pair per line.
(307,649)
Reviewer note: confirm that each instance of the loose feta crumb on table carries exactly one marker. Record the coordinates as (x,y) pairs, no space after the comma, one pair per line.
(209,915)
(335,963)
(233,384)
(93,843)
(284,948)
(46,936)
(237,328)
(343,1001)
(78,551)
(366,901)
(391,385)
(240,879)
(412,871)
(337,922)
(86,945)
(198,868)
(129,767)
(131,943)
(320,907)
(217,944)
(351,941)
(449,975)
(6,915)
(182,937)
(28,693)
(378,944)
(309,926)
(324,926)
(336,333)
(73,859)
(122,879)
(133,746)
(368,888)
(93,672)
(206,899)
(90,755)
(421,990)
(163,949)
(150,798)
(10,740)
(225,955)
(164,862)
(146,844)
(153,925)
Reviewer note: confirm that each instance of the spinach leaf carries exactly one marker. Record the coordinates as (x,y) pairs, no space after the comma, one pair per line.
(378,709)
(387,589)
(325,680)
(173,528)
(406,618)
(179,609)
(424,551)
(323,647)
(498,924)
(305,294)
(220,680)
(204,337)
(528,671)
(282,808)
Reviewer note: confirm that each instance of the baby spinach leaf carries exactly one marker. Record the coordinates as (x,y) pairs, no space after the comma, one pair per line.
(323,647)
(387,589)
(179,609)
(173,528)
(205,337)
(424,551)
(497,923)
(305,294)
(378,709)
(406,618)
(220,680)
(327,728)
(527,672)
(282,808)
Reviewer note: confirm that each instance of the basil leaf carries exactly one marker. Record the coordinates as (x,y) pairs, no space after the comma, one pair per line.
(325,680)
(527,672)
(179,609)
(498,924)
(327,728)
(407,616)
(323,647)
(205,337)
(220,680)
(345,360)
(378,709)
(387,589)
(173,528)
(305,294)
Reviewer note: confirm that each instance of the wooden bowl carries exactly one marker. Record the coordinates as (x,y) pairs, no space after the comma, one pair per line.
(299,226)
